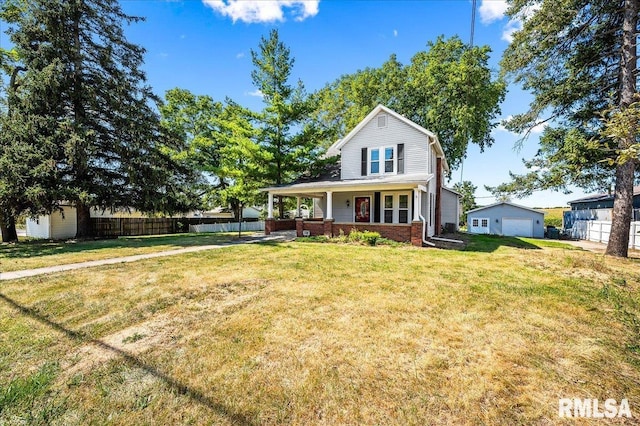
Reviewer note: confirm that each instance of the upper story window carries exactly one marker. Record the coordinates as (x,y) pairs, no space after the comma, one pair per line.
(375,162)
(382,121)
(385,155)
(382,160)
(389,162)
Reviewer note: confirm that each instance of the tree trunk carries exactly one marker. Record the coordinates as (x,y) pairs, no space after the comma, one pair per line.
(623,202)
(83,216)
(8,229)
(281,206)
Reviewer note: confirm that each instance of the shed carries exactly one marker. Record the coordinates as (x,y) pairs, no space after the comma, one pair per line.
(506,219)
(58,225)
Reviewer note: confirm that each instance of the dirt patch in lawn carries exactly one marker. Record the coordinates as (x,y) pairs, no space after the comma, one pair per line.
(130,341)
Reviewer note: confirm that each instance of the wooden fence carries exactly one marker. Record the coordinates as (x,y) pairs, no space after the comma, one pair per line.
(125,227)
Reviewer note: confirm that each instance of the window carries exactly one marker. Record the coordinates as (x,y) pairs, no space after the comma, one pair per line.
(403,208)
(388,160)
(382,121)
(388,209)
(485,223)
(382,160)
(375,161)
(395,208)
(474,222)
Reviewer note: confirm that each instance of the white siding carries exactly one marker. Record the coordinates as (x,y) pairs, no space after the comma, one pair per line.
(342,213)
(63,224)
(496,214)
(370,136)
(319,206)
(38,227)
(450,208)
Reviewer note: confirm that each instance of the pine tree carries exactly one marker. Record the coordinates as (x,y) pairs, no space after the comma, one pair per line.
(110,143)
(579,59)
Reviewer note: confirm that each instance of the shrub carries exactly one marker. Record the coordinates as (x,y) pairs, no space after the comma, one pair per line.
(367,237)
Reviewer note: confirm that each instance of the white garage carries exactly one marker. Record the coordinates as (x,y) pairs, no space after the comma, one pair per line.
(517,227)
(506,219)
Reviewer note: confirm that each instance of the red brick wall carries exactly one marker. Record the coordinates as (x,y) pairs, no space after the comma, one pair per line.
(315,227)
(284,225)
(268,226)
(393,232)
(416,234)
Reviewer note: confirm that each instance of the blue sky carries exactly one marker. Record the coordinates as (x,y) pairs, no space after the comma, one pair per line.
(204,46)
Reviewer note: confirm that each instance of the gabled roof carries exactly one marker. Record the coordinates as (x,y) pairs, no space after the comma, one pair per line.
(506,203)
(337,146)
(453,191)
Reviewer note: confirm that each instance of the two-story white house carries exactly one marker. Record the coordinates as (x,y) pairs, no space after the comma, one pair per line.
(390,180)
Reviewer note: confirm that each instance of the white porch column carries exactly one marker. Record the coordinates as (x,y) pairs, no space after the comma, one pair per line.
(329,214)
(270,206)
(417,202)
(298,214)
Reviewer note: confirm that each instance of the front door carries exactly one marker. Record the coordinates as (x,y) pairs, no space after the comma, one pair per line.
(362,209)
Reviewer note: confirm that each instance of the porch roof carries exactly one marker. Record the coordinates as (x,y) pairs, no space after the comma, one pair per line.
(383,183)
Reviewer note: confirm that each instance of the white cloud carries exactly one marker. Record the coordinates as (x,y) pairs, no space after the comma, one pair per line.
(254,11)
(511,27)
(240,55)
(492,10)
(256,93)
(395,33)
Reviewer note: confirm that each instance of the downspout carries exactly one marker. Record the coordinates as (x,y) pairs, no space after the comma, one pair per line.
(424,228)
(424,221)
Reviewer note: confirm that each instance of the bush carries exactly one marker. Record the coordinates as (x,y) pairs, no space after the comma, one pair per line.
(367,237)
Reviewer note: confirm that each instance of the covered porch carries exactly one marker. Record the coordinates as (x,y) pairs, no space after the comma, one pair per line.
(399,208)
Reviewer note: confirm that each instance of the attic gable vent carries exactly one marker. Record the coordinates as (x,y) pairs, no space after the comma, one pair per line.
(382,121)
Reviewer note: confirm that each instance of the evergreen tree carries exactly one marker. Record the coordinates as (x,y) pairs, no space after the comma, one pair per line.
(286,132)
(111,149)
(578,58)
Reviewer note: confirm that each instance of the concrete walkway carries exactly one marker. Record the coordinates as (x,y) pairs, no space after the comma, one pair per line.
(127,259)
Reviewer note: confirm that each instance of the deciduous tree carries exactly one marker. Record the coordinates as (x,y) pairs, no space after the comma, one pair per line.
(448,89)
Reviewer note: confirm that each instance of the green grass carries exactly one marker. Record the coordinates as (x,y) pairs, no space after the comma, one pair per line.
(302,333)
(553,216)
(38,254)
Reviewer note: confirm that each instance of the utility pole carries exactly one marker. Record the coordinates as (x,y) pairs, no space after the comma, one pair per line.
(473,29)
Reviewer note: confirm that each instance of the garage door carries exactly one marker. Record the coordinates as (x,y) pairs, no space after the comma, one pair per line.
(517,227)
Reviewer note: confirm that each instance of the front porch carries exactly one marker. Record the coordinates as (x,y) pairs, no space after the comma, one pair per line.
(397,232)
(398,210)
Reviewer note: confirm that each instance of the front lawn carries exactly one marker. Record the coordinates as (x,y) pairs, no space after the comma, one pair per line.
(38,254)
(306,333)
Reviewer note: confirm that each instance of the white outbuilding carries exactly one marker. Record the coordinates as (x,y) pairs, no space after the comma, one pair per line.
(506,219)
